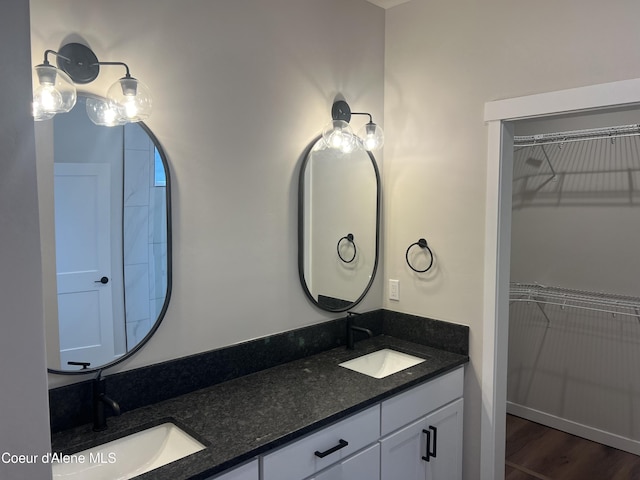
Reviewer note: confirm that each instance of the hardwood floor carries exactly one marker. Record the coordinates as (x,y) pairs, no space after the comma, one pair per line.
(537,452)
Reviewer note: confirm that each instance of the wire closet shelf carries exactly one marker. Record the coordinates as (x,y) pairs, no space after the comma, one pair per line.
(564,297)
(577,136)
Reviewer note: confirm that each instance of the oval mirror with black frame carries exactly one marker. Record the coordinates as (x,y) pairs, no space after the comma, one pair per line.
(339,201)
(112,204)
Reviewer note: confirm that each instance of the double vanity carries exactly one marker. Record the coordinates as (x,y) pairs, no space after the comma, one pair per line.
(308,418)
(292,406)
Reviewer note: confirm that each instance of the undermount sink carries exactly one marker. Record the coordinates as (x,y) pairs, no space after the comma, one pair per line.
(382,363)
(129,456)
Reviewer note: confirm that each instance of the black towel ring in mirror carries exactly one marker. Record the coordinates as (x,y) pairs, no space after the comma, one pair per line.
(422,243)
(348,238)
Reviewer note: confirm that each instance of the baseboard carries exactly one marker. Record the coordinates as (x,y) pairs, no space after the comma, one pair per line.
(574,428)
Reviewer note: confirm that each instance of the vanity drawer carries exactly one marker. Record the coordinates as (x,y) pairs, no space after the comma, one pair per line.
(409,406)
(362,465)
(321,449)
(249,471)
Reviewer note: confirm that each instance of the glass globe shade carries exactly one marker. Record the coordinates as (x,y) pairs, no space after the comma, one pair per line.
(103,112)
(372,136)
(132,98)
(47,101)
(54,92)
(339,135)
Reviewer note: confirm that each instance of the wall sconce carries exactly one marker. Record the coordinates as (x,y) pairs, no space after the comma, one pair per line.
(338,133)
(127,100)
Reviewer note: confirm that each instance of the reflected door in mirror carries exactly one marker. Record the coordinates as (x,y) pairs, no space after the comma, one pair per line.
(83,257)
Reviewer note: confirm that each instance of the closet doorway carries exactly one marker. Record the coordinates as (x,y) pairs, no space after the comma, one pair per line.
(574,296)
(499,116)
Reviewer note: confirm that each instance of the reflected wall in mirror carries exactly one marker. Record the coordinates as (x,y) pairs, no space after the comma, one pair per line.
(338,225)
(112,240)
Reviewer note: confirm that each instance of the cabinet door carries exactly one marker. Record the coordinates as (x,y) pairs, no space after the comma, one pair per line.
(362,466)
(446,463)
(428,449)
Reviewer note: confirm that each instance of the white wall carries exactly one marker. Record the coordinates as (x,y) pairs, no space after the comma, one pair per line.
(240,88)
(24,415)
(444,60)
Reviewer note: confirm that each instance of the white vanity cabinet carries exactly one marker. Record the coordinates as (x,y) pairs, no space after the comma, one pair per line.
(248,471)
(422,431)
(415,435)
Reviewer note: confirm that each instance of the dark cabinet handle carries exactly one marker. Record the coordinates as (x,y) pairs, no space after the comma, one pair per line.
(431,453)
(103,280)
(341,444)
(435,441)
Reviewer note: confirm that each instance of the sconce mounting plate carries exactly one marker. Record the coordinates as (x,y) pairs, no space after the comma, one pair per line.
(82,66)
(340,110)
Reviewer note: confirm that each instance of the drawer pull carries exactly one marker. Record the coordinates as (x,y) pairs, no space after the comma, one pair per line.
(341,444)
(431,453)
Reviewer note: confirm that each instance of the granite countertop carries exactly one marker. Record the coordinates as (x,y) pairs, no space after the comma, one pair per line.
(250,415)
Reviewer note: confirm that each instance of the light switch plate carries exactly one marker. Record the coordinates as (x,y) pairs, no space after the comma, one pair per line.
(394,289)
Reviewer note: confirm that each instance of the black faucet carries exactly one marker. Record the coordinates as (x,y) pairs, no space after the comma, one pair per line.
(351,328)
(100,399)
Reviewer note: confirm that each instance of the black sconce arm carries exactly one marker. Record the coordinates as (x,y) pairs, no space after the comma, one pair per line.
(363,113)
(128,75)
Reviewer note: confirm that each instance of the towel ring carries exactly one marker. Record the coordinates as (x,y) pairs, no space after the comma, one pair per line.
(348,238)
(422,243)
